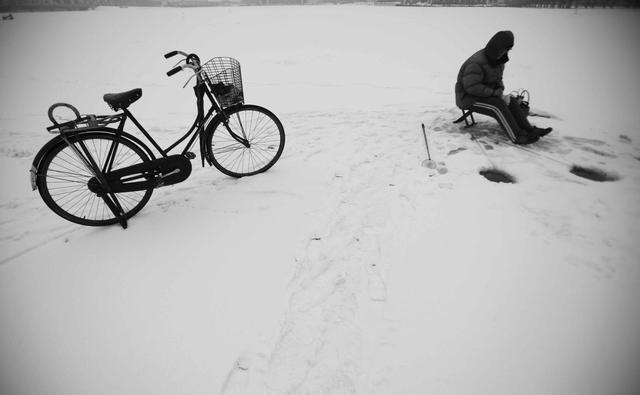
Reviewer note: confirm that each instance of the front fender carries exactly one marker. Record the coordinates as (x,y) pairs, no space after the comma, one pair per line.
(205,148)
(205,137)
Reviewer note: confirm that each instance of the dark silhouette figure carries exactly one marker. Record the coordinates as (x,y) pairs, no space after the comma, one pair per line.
(480,88)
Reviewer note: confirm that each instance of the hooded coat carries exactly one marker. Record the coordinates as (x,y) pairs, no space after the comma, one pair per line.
(481,75)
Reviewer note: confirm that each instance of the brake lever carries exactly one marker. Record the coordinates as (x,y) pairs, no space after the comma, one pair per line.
(190,78)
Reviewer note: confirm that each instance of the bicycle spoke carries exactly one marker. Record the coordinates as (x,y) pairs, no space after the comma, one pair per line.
(66,180)
(77,166)
(72,203)
(265,139)
(226,150)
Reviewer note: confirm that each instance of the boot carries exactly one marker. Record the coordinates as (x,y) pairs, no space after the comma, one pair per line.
(539,132)
(526,138)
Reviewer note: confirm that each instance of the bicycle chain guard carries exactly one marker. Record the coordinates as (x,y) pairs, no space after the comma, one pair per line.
(155,173)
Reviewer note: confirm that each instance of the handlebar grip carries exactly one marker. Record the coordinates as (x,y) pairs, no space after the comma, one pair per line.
(173,71)
(170,54)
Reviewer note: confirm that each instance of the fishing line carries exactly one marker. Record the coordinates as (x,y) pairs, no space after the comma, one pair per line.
(492,173)
(590,173)
(483,150)
(539,154)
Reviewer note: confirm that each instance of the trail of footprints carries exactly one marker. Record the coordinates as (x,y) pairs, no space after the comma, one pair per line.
(321,343)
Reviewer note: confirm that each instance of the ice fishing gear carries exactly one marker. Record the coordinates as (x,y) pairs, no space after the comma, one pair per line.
(430,163)
(466,114)
(590,173)
(474,138)
(522,97)
(493,173)
(520,147)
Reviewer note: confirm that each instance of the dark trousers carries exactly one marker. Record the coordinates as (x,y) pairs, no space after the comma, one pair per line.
(513,121)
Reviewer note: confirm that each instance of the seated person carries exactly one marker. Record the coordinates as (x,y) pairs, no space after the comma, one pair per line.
(480,88)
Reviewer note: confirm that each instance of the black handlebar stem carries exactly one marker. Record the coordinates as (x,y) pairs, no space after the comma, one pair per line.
(191,57)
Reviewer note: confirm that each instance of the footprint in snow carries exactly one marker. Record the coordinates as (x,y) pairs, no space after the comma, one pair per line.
(455,151)
(625,139)
(238,378)
(598,152)
(581,141)
(377,287)
(601,270)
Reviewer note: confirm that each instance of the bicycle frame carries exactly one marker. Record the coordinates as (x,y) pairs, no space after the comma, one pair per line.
(203,87)
(102,184)
(194,131)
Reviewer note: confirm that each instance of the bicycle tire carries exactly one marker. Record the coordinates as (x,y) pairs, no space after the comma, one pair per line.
(63,181)
(262,129)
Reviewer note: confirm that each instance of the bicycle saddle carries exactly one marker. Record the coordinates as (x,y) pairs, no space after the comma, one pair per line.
(122,100)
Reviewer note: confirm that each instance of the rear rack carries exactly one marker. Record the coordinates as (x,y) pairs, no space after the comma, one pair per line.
(82,122)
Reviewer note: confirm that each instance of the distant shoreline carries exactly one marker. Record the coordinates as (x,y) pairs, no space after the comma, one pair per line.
(47,8)
(6,7)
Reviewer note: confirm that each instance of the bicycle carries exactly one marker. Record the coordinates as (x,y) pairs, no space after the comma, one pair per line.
(93,174)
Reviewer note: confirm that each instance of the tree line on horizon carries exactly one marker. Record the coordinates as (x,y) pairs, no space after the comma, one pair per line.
(531,3)
(61,5)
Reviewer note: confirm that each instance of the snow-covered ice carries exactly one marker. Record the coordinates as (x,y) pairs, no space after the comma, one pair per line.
(348,268)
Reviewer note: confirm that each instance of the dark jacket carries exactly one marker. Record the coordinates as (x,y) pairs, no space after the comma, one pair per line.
(481,75)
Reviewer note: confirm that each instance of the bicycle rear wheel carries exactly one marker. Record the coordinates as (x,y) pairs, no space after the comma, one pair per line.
(260,127)
(63,180)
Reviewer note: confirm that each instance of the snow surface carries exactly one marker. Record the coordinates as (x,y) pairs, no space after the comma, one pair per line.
(348,268)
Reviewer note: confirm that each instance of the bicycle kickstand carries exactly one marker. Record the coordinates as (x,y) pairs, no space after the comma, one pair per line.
(116,209)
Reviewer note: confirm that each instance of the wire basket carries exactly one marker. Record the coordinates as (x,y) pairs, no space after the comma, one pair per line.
(222,75)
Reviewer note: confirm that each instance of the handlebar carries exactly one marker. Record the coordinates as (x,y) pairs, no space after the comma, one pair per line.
(192,62)
(173,71)
(174,53)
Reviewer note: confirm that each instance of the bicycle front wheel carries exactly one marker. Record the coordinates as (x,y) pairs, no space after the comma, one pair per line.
(260,128)
(63,180)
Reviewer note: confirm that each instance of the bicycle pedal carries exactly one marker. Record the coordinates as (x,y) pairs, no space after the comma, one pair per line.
(190,155)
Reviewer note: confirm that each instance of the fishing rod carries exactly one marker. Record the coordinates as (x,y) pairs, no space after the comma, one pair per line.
(430,163)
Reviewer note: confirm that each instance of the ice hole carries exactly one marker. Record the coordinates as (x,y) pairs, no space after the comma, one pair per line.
(497,175)
(593,174)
